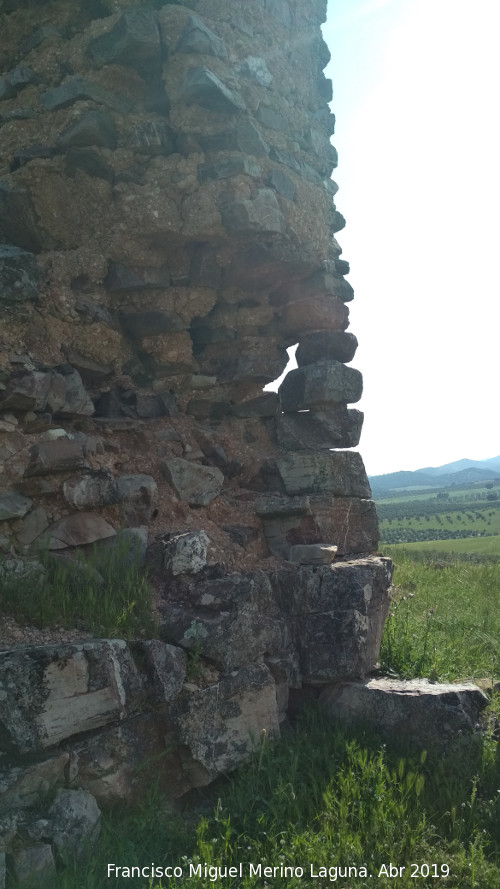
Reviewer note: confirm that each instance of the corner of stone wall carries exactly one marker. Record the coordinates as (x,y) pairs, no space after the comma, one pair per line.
(167,231)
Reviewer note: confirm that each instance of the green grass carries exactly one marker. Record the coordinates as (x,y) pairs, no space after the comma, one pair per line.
(445,619)
(324,798)
(106,594)
(466,545)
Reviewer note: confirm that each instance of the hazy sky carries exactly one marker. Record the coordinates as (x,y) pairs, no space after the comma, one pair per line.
(416,87)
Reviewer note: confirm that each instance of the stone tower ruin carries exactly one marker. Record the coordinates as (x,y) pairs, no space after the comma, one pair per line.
(167,231)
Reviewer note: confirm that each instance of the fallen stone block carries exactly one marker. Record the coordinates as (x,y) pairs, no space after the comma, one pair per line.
(427,713)
(121,278)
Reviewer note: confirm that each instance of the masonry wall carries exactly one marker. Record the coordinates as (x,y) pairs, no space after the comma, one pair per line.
(167,229)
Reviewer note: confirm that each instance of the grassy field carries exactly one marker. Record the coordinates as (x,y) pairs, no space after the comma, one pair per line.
(447,515)
(464,546)
(327,799)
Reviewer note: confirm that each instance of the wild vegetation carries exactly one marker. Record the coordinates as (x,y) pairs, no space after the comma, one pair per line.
(105,593)
(325,797)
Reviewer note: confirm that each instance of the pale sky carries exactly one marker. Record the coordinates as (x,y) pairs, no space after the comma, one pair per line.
(416,86)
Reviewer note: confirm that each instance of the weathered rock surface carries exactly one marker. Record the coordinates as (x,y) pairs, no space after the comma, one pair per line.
(336,427)
(195,484)
(186,553)
(18,276)
(427,713)
(340,473)
(316,386)
(223,723)
(338,614)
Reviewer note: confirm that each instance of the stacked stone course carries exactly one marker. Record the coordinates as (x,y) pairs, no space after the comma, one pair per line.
(167,231)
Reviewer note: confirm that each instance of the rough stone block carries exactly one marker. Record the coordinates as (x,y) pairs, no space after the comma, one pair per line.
(74,822)
(323,313)
(92,128)
(260,214)
(134,41)
(76,530)
(197,38)
(164,667)
(18,219)
(61,455)
(34,524)
(18,275)
(34,867)
(338,616)
(186,553)
(427,713)
(349,523)
(337,345)
(75,88)
(282,184)
(91,491)
(314,430)
(316,386)
(222,724)
(195,484)
(341,473)
(232,620)
(21,786)
(203,87)
(52,692)
(13,506)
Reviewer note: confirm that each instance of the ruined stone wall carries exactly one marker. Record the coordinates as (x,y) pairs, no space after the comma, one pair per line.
(167,230)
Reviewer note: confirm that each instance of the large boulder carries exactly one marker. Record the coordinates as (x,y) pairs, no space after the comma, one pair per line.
(426,713)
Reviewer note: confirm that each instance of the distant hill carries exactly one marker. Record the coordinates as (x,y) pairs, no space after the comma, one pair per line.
(461,472)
